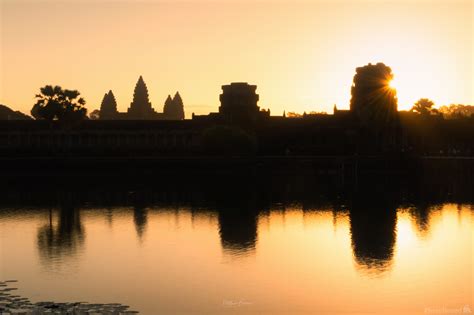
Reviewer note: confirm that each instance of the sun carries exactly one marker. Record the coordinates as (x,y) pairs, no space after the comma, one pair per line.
(393,84)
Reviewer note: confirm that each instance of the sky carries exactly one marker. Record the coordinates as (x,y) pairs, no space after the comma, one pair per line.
(301,54)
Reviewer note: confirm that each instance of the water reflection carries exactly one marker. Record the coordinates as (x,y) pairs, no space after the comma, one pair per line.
(372,224)
(237,206)
(372,230)
(62,238)
(280,243)
(421,214)
(238,230)
(109,216)
(240,203)
(140,219)
(373,235)
(365,247)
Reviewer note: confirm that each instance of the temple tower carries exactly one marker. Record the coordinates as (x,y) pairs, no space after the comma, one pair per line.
(173,108)
(178,107)
(168,107)
(239,103)
(373,100)
(141,108)
(108,107)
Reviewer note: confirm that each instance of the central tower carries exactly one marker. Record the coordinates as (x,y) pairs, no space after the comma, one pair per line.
(141,108)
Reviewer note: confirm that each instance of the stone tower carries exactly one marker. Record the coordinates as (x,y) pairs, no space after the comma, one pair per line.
(108,107)
(141,108)
(374,106)
(168,107)
(239,103)
(373,100)
(178,106)
(174,108)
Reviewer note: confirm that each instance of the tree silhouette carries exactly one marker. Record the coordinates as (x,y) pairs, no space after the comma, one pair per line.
(293,115)
(457,111)
(424,107)
(95,114)
(55,103)
(64,238)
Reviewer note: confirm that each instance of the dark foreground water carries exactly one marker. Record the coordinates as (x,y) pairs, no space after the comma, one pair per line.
(175,251)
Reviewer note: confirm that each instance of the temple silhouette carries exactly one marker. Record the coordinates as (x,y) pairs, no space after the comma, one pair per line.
(141,108)
(372,126)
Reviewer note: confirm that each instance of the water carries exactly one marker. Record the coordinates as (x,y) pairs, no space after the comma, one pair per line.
(242,256)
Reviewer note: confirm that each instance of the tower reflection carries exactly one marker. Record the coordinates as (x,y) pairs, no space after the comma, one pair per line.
(238,207)
(373,233)
(238,201)
(140,219)
(238,229)
(421,215)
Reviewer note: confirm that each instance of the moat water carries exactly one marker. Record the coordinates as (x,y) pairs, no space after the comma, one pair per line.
(241,255)
(288,260)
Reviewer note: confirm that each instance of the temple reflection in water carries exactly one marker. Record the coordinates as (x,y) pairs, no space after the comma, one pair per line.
(372,228)
(238,207)
(373,234)
(238,232)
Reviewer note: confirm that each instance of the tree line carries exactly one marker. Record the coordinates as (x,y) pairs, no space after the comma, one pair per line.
(425,107)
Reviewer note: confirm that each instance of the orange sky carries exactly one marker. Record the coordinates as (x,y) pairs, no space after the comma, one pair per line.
(301,54)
